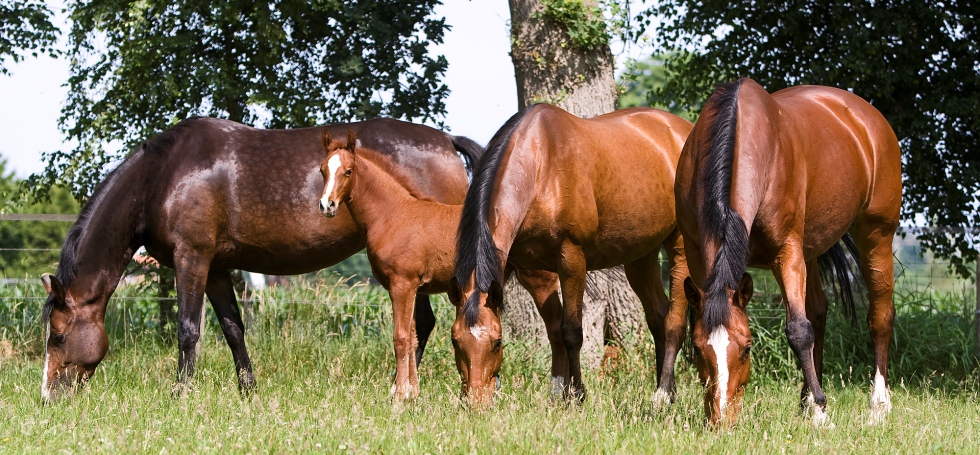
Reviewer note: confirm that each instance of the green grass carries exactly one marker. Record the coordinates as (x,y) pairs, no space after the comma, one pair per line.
(324,372)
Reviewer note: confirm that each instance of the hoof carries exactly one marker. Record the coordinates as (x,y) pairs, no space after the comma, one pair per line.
(881,402)
(180,390)
(817,414)
(662,400)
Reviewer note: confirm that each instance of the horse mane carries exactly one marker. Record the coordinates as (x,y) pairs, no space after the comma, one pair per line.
(718,220)
(68,263)
(475,250)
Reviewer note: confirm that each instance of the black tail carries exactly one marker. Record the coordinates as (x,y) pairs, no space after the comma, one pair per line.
(836,269)
(471,151)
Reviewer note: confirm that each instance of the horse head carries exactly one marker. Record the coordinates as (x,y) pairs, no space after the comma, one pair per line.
(723,352)
(76,340)
(477,340)
(337,170)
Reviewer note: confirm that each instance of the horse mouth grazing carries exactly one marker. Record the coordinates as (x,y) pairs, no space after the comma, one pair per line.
(64,381)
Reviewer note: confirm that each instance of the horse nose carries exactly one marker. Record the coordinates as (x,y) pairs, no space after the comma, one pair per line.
(322,208)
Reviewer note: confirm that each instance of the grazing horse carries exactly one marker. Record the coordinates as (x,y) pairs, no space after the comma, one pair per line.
(555,192)
(409,261)
(209,195)
(775,181)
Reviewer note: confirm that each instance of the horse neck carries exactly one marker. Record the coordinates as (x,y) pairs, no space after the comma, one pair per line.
(514,190)
(378,197)
(108,239)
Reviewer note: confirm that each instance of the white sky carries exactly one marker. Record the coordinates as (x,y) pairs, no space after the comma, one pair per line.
(480,76)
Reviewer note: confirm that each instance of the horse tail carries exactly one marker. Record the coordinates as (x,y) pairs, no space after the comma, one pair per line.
(835,268)
(469,149)
(718,220)
(476,252)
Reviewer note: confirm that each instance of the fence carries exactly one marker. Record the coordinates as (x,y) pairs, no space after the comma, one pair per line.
(920,278)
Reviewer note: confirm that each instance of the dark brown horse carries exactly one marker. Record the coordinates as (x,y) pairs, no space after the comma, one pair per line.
(407,260)
(775,181)
(555,192)
(210,195)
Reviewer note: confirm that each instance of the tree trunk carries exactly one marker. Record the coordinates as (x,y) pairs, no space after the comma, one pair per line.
(551,68)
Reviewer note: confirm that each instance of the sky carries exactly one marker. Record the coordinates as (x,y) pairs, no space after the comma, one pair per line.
(480,76)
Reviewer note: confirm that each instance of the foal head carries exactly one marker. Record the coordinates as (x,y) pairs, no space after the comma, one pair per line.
(76,340)
(337,170)
(723,352)
(477,340)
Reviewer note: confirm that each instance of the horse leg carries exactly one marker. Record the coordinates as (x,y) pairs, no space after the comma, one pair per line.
(874,244)
(425,321)
(571,273)
(816,312)
(221,292)
(543,287)
(406,387)
(790,271)
(192,274)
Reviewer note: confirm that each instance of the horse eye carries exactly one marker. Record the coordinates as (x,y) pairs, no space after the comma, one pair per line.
(745,353)
(497,345)
(347,174)
(59,338)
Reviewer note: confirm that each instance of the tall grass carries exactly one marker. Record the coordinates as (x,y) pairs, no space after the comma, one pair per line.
(324,364)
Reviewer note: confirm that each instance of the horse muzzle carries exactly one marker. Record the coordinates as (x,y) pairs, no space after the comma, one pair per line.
(330,209)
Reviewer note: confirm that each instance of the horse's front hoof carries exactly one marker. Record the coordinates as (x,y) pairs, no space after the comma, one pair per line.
(662,400)
(817,413)
(881,402)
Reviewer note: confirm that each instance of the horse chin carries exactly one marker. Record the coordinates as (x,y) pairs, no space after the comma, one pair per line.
(478,398)
(66,382)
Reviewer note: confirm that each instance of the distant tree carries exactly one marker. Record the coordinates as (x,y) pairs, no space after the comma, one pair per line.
(916,62)
(31,234)
(25,25)
(137,68)
(639,84)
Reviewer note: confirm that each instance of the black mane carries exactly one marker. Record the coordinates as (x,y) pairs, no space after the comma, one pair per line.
(475,249)
(68,264)
(718,220)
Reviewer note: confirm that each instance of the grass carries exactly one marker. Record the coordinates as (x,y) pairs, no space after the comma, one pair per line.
(324,372)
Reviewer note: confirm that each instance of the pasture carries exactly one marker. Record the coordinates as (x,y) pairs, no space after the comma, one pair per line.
(324,365)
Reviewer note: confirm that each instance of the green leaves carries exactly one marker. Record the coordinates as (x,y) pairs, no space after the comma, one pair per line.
(916,62)
(25,25)
(138,67)
(583,23)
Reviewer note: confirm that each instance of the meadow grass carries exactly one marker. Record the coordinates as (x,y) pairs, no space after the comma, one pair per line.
(324,371)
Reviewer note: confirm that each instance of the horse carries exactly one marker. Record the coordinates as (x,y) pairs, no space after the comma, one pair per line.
(406,261)
(208,195)
(558,193)
(775,181)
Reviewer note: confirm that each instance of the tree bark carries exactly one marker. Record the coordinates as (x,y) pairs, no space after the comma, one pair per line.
(550,68)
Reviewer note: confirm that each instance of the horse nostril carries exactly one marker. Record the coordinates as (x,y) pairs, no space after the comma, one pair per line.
(322,208)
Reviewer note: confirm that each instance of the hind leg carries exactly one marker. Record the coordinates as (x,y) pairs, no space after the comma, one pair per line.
(874,242)
(571,274)
(425,321)
(221,292)
(543,287)
(816,312)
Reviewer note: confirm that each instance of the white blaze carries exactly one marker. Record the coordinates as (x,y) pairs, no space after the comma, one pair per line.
(45,393)
(477,331)
(332,165)
(719,341)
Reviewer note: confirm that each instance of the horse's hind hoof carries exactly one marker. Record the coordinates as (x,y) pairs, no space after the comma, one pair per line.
(662,400)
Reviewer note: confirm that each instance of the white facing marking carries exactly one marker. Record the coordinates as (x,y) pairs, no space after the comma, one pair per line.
(45,393)
(477,331)
(719,341)
(332,165)
(881,403)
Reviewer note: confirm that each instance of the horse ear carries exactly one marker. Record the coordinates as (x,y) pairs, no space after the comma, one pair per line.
(495,296)
(326,141)
(692,293)
(351,140)
(455,292)
(745,290)
(53,286)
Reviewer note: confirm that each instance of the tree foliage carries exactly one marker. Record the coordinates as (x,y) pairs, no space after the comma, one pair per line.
(18,235)
(138,67)
(25,25)
(641,80)
(916,62)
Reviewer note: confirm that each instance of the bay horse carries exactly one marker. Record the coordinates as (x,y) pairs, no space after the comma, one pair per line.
(208,195)
(558,193)
(775,181)
(410,243)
